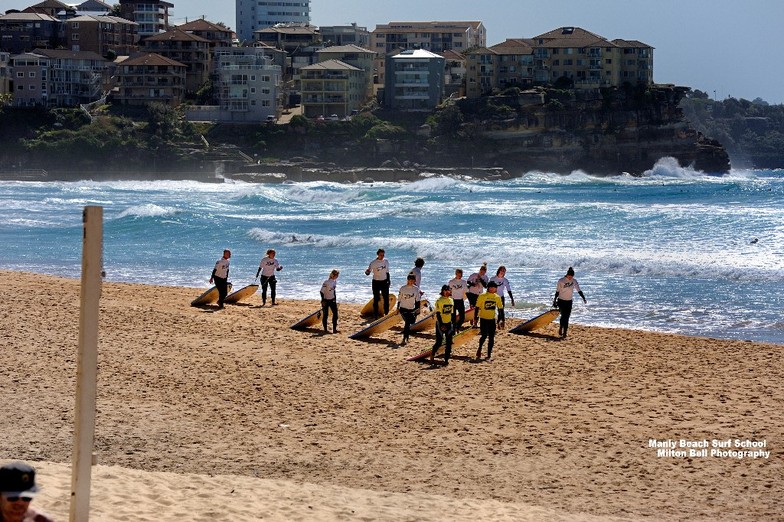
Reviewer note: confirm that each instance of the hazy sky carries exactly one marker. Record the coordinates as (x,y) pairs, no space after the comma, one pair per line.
(732,47)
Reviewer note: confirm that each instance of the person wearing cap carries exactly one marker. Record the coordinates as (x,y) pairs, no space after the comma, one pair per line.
(503,286)
(379,267)
(486,306)
(17,490)
(564,291)
(220,274)
(458,287)
(477,282)
(408,302)
(445,323)
(329,300)
(267,268)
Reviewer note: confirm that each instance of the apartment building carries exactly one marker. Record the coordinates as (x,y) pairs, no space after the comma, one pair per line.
(353,55)
(74,77)
(454,72)
(218,35)
(5,72)
(23,32)
(288,37)
(252,15)
(53,8)
(414,80)
(102,34)
(30,80)
(570,56)
(151,15)
(94,8)
(435,37)
(332,87)
(186,48)
(345,35)
(150,78)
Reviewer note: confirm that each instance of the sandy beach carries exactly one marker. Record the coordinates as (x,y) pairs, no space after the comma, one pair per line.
(231,415)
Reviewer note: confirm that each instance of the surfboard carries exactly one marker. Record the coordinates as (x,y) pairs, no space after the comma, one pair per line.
(536,323)
(460,338)
(209,296)
(427,322)
(242,293)
(309,320)
(367,310)
(379,325)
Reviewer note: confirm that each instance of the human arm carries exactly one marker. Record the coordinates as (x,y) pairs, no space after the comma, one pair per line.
(212,276)
(511,297)
(555,299)
(580,292)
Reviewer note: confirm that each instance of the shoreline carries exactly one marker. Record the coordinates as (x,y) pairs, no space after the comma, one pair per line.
(562,426)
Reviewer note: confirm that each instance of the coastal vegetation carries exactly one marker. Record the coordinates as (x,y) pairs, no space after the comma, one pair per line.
(751,131)
(546,128)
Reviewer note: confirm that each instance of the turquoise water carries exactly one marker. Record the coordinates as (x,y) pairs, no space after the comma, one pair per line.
(673,251)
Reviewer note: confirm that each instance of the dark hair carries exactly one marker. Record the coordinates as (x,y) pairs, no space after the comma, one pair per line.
(445,288)
(419,263)
(411,275)
(379,251)
(570,271)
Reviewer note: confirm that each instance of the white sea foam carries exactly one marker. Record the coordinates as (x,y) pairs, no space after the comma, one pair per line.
(147,210)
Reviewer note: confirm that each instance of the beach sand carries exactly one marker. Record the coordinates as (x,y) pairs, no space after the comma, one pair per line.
(231,415)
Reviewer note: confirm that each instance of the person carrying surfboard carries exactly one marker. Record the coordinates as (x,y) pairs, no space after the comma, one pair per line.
(408,302)
(379,267)
(503,286)
(267,268)
(445,323)
(477,282)
(564,291)
(329,300)
(220,274)
(485,312)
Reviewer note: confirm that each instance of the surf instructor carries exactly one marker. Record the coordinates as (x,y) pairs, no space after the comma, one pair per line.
(267,268)
(220,274)
(379,267)
(564,291)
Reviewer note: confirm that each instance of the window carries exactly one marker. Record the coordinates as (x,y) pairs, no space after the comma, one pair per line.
(608,61)
(31,74)
(74,37)
(74,25)
(253,77)
(253,90)
(20,75)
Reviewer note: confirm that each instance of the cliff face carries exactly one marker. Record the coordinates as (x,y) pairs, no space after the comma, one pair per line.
(606,133)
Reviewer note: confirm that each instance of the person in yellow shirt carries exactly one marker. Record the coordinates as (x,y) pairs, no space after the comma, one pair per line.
(487,304)
(445,323)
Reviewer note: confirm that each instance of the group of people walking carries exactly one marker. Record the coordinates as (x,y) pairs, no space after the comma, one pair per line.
(486,297)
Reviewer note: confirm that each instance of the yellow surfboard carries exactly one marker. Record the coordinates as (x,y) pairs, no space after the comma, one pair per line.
(540,321)
(209,296)
(367,310)
(242,293)
(378,326)
(310,320)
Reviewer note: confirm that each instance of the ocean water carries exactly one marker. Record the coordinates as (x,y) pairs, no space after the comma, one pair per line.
(672,251)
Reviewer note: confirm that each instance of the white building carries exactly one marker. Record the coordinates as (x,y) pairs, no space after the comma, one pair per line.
(258,14)
(247,87)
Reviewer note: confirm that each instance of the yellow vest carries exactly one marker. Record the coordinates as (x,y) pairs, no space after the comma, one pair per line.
(487,304)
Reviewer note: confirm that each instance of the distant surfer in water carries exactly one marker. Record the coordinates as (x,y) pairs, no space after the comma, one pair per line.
(503,286)
(564,291)
(267,268)
(329,300)
(408,302)
(379,267)
(477,282)
(458,286)
(220,274)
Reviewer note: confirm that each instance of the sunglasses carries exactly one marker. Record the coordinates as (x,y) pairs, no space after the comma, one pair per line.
(16,499)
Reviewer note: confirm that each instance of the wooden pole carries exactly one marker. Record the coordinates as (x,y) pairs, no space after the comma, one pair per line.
(87,364)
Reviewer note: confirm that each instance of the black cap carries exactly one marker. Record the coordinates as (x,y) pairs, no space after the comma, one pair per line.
(492,284)
(445,288)
(17,479)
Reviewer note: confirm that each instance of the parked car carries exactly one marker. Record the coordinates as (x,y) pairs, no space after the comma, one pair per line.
(334,117)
